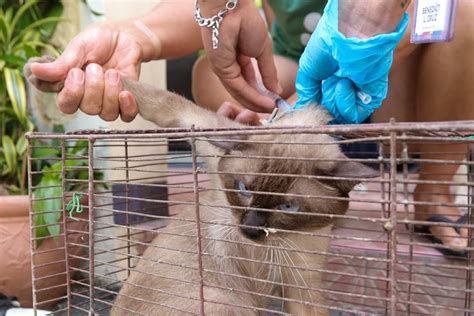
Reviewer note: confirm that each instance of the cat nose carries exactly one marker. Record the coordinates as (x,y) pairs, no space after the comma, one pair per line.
(256,219)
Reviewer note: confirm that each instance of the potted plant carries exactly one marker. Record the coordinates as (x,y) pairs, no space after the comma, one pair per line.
(54,201)
(59,195)
(25,27)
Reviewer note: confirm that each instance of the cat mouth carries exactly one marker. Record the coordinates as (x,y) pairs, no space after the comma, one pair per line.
(255,225)
(254,233)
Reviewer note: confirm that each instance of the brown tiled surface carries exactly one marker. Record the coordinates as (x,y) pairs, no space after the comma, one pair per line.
(438,283)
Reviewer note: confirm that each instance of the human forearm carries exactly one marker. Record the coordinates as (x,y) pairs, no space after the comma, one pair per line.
(364,19)
(174,31)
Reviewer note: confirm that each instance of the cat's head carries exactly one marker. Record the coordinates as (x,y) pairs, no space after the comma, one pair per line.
(254,183)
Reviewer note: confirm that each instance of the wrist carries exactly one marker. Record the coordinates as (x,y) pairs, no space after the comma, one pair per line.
(212,7)
(364,19)
(146,39)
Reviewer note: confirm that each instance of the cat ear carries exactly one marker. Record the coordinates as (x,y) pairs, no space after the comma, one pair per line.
(229,143)
(350,169)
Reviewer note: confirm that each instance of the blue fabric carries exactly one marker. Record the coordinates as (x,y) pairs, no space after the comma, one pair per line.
(334,68)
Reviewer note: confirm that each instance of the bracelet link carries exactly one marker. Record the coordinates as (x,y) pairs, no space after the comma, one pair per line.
(215,21)
(231,4)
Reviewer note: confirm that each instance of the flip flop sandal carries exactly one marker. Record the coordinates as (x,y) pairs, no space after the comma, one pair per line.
(6,303)
(425,229)
(10,306)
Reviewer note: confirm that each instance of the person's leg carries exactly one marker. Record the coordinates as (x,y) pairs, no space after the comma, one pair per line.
(445,93)
(434,83)
(427,193)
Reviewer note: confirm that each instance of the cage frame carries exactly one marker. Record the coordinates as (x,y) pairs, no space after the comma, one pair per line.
(395,133)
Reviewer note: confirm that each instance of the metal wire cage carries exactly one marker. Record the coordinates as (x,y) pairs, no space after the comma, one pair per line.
(121,196)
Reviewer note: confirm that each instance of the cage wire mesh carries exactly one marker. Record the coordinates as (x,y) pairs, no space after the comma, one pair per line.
(121,193)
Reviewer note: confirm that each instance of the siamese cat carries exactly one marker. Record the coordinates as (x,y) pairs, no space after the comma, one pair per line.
(260,232)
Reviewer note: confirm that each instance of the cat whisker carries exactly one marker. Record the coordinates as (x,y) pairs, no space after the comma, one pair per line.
(281,277)
(297,270)
(265,256)
(285,257)
(288,242)
(270,270)
(218,233)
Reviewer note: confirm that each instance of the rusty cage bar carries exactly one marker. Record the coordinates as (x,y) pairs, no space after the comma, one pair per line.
(119,190)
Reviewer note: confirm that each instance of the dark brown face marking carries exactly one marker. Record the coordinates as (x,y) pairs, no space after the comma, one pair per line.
(257,220)
(256,211)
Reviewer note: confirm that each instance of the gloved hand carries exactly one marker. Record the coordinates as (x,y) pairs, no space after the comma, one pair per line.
(348,76)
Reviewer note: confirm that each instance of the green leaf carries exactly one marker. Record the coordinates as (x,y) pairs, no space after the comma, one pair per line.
(58,128)
(35,25)
(7,111)
(45,152)
(21,11)
(78,148)
(31,48)
(21,145)
(50,209)
(38,209)
(4,28)
(48,30)
(14,190)
(56,167)
(17,92)
(4,170)
(26,49)
(9,15)
(29,125)
(10,154)
(13,60)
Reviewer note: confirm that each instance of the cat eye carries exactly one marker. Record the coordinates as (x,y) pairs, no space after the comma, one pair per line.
(289,207)
(243,189)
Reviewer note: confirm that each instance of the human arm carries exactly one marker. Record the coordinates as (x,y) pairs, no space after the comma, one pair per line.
(351,51)
(364,19)
(94,60)
(243,36)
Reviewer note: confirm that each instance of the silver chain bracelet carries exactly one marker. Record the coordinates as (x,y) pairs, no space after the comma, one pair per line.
(214,22)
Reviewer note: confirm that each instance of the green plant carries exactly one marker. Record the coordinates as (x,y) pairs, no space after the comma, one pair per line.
(25,27)
(48,192)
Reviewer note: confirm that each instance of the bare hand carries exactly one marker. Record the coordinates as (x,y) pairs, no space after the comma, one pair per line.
(243,36)
(91,66)
(239,114)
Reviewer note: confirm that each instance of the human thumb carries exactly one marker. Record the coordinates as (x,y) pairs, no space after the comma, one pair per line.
(57,70)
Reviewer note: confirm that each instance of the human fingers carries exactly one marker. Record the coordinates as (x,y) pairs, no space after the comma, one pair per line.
(267,68)
(353,103)
(113,87)
(239,114)
(247,69)
(94,90)
(128,106)
(247,95)
(71,95)
(308,90)
(248,117)
(229,109)
(315,65)
(57,70)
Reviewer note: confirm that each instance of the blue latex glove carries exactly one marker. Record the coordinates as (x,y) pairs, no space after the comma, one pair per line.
(348,76)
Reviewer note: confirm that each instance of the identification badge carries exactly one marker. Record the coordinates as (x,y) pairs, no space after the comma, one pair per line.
(434,21)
